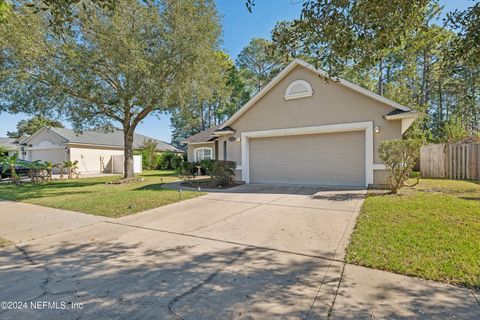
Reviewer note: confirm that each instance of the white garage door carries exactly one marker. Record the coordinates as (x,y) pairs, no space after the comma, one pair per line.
(331,159)
(56,156)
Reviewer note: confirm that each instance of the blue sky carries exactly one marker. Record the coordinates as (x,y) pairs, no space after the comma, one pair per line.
(239,26)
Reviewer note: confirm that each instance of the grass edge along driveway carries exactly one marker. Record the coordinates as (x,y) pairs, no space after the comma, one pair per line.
(4,242)
(94,196)
(430,231)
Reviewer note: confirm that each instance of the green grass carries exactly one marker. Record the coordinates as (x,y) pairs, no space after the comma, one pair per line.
(4,242)
(94,196)
(431,231)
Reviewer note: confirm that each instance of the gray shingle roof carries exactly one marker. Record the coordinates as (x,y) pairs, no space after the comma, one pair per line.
(8,143)
(115,138)
(203,136)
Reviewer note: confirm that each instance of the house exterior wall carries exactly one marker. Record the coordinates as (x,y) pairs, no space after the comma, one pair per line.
(192,147)
(380,177)
(89,158)
(331,103)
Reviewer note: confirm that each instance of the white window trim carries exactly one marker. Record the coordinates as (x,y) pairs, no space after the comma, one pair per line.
(202,148)
(291,96)
(343,127)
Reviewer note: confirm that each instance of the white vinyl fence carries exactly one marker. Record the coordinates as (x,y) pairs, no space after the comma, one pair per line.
(118,160)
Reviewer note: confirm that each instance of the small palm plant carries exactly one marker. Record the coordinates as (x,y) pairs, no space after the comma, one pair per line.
(71,167)
(10,162)
(49,167)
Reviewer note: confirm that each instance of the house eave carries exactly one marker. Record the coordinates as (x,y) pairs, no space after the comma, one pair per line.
(405,115)
(201,142)
(223,133)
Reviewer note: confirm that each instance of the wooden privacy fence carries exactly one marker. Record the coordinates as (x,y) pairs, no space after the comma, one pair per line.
(452,161)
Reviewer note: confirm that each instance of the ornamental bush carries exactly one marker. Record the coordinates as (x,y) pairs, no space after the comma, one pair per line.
(186,169)
(223,172)
(207,166)
(149,154)
(399,157)
(176,161)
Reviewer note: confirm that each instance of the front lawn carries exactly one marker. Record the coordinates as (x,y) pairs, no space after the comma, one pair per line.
(94,196)
(430,231)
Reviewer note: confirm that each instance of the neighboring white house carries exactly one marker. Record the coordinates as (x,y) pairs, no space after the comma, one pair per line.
(301,129)
(14,145)
(96,151)
(9,145)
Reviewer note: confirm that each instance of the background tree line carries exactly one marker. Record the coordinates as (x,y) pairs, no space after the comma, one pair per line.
(402,50)
(81,61)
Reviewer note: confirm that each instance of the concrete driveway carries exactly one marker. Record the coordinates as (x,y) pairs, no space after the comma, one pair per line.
(253,252)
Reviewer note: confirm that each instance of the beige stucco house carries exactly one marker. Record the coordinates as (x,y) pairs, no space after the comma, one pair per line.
(301,129)
(96,151)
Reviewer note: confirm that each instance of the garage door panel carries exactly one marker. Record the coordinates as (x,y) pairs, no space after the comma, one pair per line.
(317,159)
(56,156)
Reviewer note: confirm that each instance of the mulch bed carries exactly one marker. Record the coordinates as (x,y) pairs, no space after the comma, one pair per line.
(208,184)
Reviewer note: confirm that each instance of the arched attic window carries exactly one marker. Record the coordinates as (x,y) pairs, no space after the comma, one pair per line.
(298,89)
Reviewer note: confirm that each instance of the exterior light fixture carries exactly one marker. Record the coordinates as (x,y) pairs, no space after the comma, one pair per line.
(377,129)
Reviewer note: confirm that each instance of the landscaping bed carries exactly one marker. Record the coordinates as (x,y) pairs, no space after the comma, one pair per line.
(96,196)
(208,184)
(431,231)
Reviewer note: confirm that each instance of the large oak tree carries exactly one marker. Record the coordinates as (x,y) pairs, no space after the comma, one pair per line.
(112,66)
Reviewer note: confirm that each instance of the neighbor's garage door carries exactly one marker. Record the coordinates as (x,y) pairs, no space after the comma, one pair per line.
(52,155)
(335,159)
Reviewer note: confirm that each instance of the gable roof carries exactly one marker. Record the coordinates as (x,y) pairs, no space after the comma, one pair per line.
(21,139)
(203,136)
(101,138)
(293,65)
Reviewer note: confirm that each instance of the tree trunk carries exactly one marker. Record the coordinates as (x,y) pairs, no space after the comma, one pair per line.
(380,78)
(440,104)
(128,154)
(202,110)
(425,77)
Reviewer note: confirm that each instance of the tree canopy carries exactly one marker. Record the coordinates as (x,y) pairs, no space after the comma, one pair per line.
(32,125)
(259,63)
(399,49)
(109,66)
(227,93)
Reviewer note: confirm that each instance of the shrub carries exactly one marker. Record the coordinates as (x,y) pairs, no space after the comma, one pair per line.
(223,172)
(186,171)
(149,154)
(186,168)
(207,166)
(176,161)
(164,162)
(399,157)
